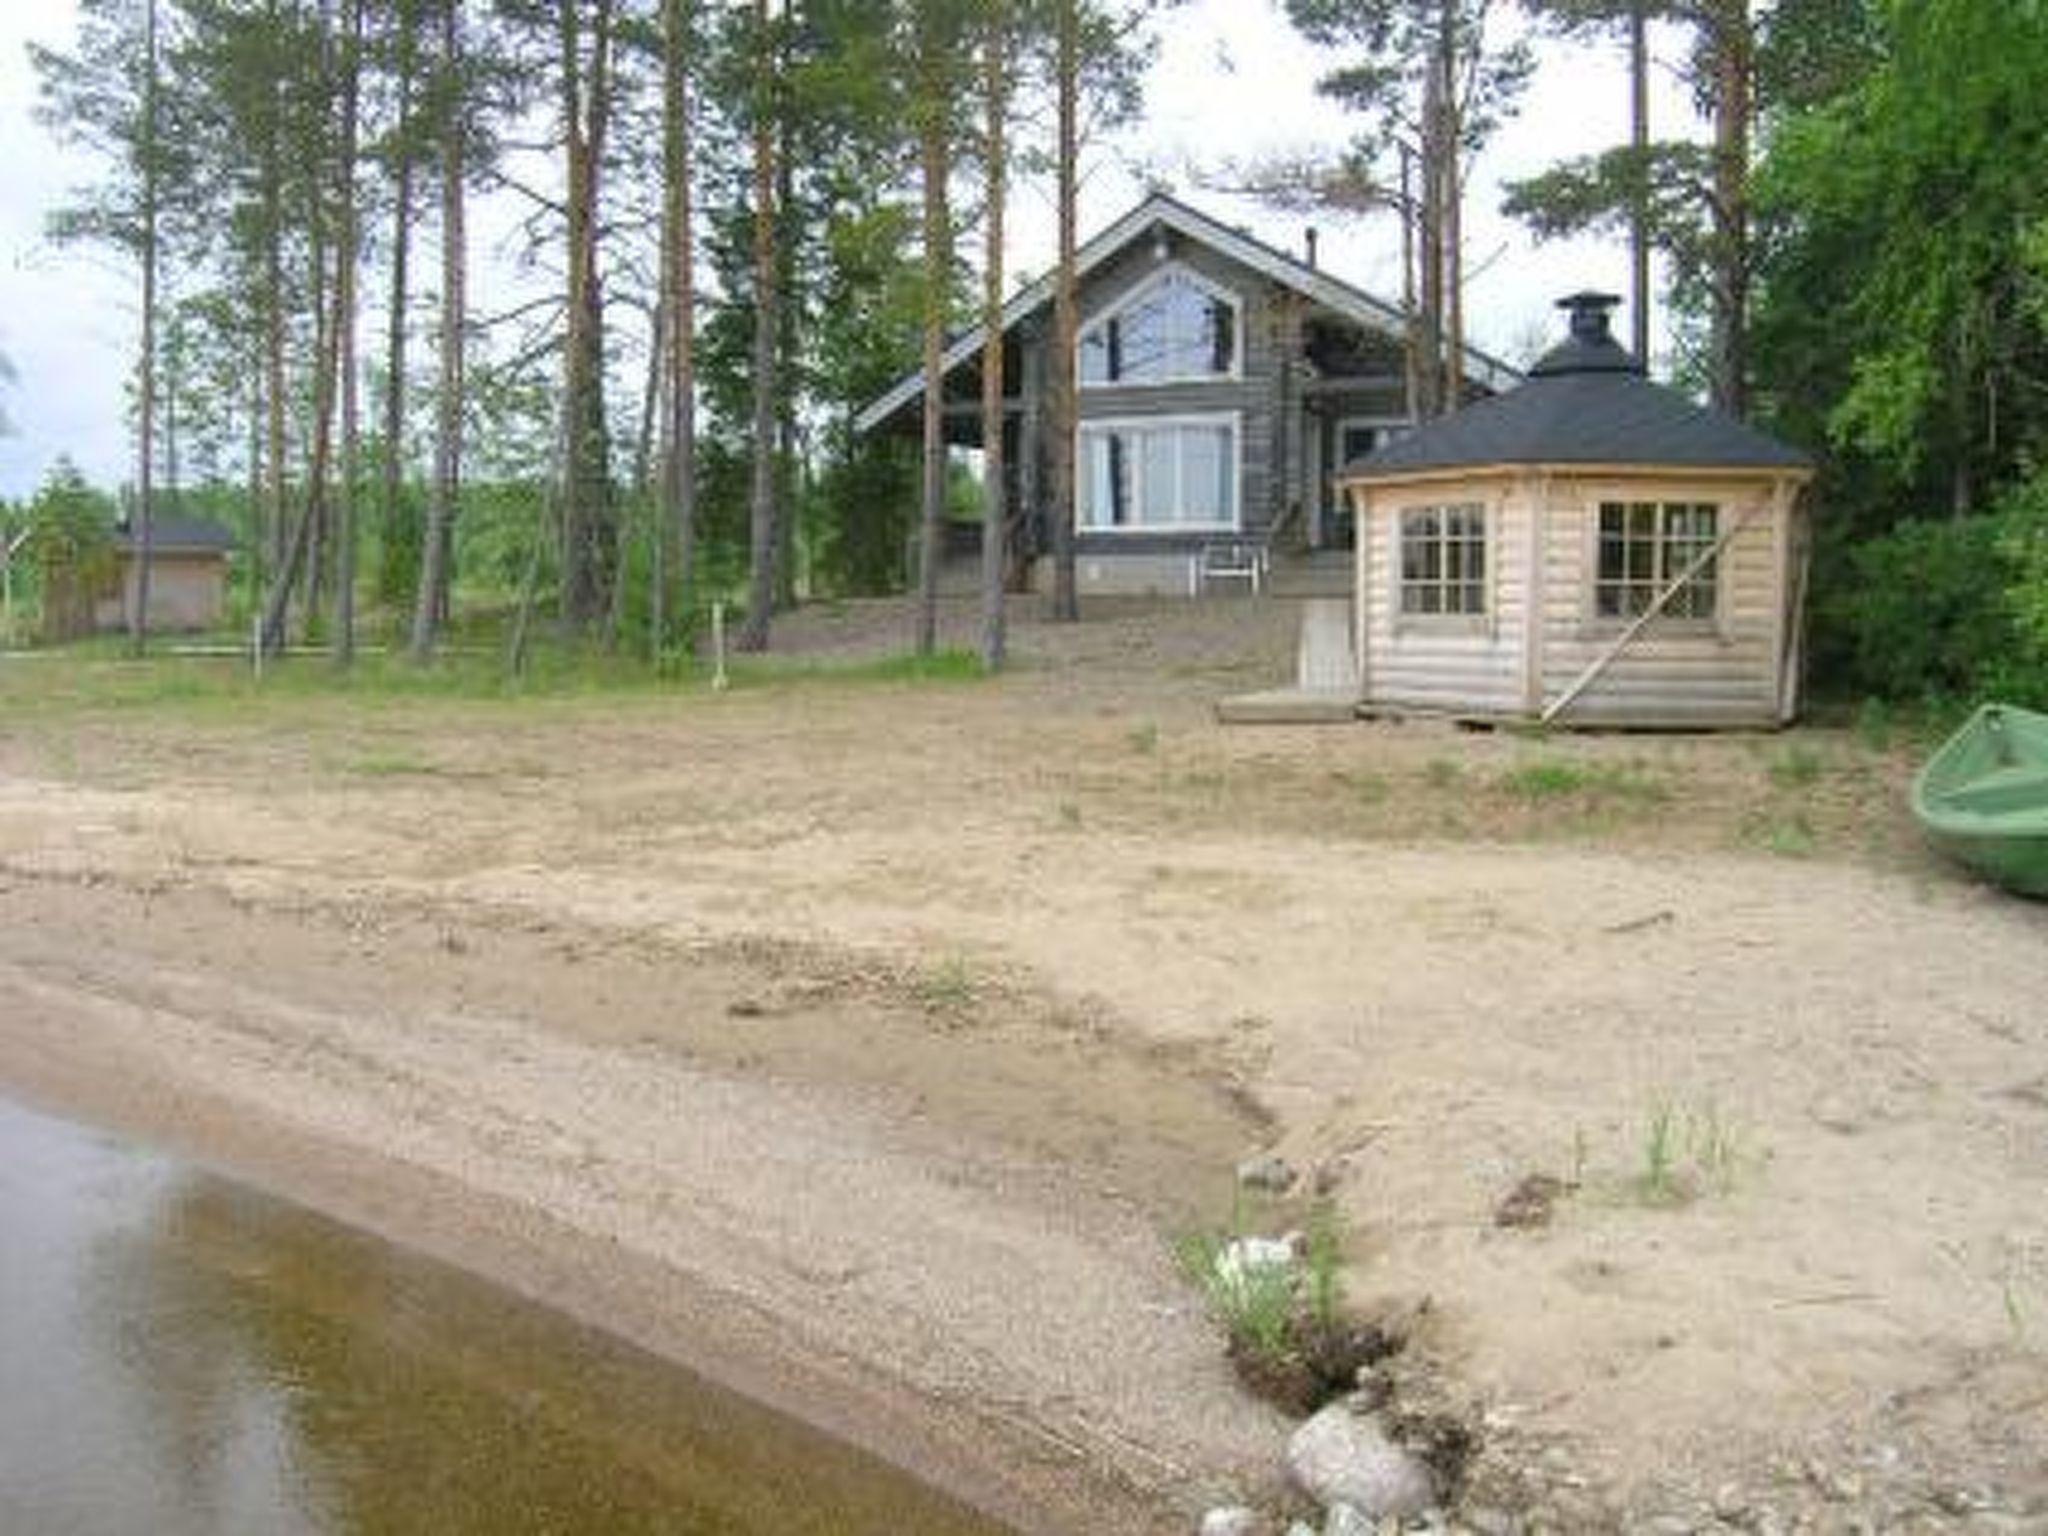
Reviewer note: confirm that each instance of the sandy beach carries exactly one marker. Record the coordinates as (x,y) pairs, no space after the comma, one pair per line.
(867,1045)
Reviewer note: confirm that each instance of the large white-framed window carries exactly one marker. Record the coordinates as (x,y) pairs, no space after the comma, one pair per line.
(1443,561)
(1164,474)
(1644,546)
(1176,327)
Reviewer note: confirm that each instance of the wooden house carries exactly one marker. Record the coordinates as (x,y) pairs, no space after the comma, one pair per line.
(1589,548)
(1221,383)
(188,575)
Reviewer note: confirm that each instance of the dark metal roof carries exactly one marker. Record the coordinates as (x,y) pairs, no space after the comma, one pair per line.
(169,533)
(1585,402)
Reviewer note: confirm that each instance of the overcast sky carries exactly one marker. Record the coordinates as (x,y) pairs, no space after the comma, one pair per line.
(1232,79)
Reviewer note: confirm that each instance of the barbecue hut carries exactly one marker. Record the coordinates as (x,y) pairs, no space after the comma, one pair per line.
(1588,548)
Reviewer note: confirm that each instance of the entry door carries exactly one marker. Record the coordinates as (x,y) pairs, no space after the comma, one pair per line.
(1355,437)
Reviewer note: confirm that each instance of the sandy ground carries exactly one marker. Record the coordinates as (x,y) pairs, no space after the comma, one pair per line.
(864,1040)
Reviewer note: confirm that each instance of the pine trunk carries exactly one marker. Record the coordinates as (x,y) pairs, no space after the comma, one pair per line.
(995,521)
(1639,140)
(1066,604)
(438,540)
(145,454)
(678,305)
(1734,55)
(934,127)
(345,346)
(762,529)
(400,529)
(588,535)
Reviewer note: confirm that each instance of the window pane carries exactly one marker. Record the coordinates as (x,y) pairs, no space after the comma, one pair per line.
(1222,337)
(1443,560)
(1095,355)
(1205,483)
(1177,330)
(1157,477)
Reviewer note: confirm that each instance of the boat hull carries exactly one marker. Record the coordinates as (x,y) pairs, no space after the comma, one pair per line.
(1983,797)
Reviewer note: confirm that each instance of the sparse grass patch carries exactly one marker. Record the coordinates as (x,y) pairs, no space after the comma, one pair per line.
(1281,1304)
(1443,773)
(1797,767)
(1549,780)
(1544,780)
(1790,836)
(1686,1152)
(1369,788)
(946,986)
(1144,738)
(391,765)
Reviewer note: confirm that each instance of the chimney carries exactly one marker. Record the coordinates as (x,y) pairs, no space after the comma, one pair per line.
(1308,241)
(1589,312)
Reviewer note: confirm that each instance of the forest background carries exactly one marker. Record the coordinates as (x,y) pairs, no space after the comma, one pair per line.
(740,222)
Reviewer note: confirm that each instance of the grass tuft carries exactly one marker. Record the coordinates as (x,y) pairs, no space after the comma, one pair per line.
(1556,779)
(1687,1152)
(1797,768)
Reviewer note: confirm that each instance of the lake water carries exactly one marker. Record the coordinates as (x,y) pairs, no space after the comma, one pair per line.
(179,1354)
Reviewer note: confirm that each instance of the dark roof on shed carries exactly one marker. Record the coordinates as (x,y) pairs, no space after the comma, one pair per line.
(171,534)
(1585,402)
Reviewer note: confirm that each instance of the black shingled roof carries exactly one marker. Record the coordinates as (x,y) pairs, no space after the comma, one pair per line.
(1585,402)
(168,532)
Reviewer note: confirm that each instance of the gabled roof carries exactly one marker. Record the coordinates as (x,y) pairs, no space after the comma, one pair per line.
(1585,402)
(171,534)
(1354,304)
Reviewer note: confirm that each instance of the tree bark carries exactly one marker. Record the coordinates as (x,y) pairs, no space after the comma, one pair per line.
(1065,313)
(1734,61)
(397,535)
(934,126)
(762,520)
(273,353)
(1430,237)
(1639,140)
(438,539)
(145,454)
(588,535)
(995,521)
(1453,210)
(679,326)
(346,242)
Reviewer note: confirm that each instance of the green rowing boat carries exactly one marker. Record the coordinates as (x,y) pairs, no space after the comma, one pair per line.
(1983,798)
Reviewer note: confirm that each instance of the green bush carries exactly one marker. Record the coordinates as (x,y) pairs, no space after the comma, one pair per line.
(1949,610)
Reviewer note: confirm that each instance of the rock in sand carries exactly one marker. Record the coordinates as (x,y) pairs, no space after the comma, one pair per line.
(1231,1520)
(1268,1171)
(1342,1457)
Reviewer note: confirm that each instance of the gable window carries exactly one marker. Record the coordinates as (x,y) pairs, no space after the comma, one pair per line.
(1174,328)
(1647,545)
(1170,474)
(1443,560)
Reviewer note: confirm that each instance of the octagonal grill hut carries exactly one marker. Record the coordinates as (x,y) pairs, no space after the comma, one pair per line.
(1588,548)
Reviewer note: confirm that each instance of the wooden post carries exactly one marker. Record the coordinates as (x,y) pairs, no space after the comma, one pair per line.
(1361,573)
(719,681)
(1535,599)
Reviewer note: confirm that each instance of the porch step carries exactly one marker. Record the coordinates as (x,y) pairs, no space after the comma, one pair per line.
(1289,706)
(1325,661)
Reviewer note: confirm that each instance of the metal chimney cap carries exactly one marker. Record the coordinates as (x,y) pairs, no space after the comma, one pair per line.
(1589,311)
(1591,347)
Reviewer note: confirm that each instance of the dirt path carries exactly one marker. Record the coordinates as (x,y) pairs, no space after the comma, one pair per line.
(905,1018)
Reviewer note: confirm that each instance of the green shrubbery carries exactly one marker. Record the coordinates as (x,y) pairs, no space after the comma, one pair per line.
(1950,610)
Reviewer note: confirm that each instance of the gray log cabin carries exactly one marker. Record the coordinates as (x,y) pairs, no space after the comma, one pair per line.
(1222,383)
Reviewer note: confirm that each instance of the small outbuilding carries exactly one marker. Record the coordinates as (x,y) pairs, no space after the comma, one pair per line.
(1587,548)
(188,575)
